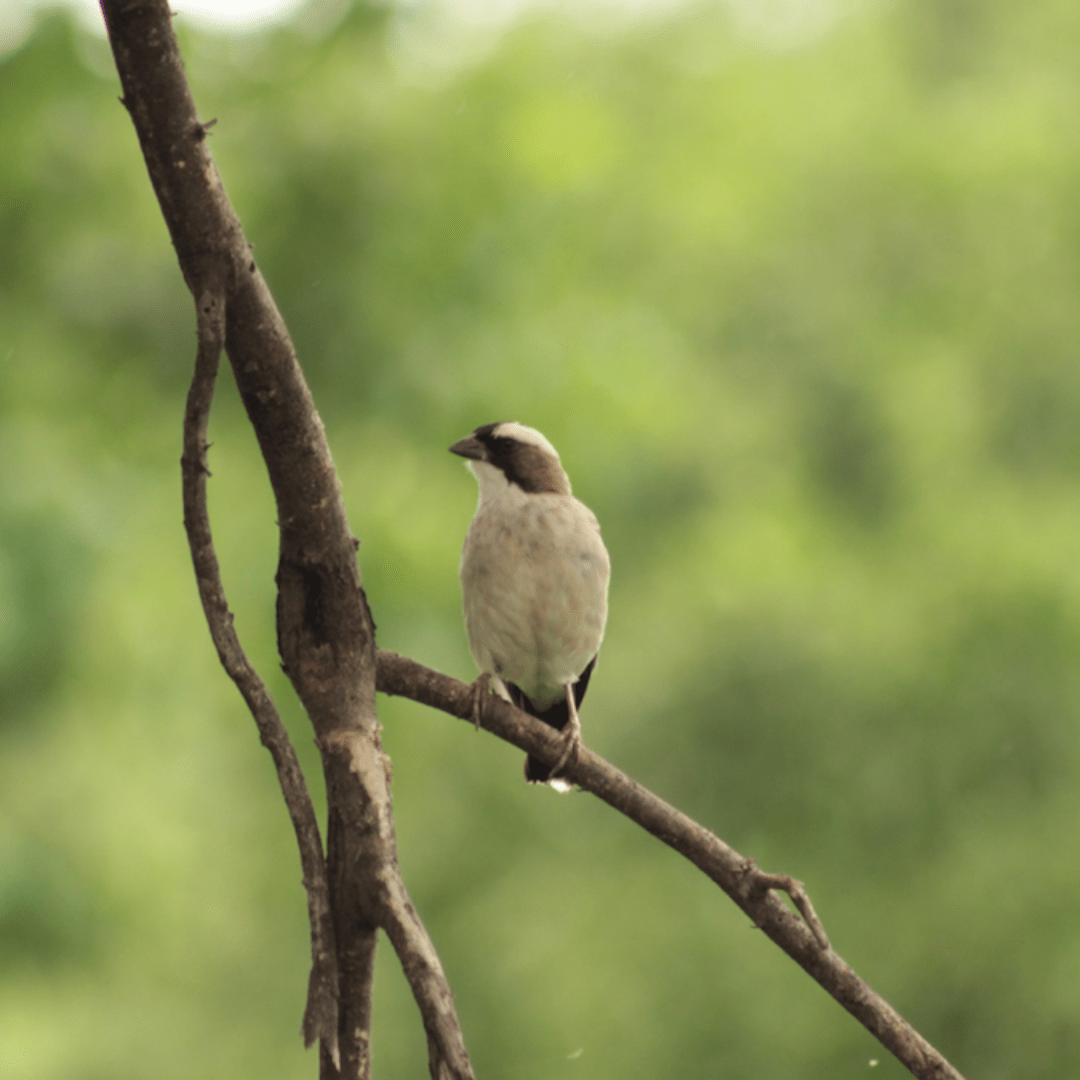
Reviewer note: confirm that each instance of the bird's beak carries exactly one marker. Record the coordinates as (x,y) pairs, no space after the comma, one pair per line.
(471,448)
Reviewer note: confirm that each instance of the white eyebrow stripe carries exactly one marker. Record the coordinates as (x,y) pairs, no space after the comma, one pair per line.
(511,429)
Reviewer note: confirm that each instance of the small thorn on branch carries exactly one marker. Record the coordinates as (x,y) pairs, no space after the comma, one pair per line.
(763,883)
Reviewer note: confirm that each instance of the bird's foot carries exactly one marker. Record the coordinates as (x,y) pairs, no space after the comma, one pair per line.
(479,692)
(570,737)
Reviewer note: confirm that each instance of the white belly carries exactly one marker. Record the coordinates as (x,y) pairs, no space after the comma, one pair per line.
(535,578)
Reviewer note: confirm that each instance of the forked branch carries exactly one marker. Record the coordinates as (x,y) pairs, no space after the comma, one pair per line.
(325,631)
(326,635)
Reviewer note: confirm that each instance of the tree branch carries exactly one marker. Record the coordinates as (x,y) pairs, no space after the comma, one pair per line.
(326,635)
(803,939)
(321,1013)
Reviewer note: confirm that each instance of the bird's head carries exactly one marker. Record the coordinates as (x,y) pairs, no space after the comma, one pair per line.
(509,453)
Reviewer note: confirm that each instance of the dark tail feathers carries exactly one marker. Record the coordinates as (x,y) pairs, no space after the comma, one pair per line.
(558,716)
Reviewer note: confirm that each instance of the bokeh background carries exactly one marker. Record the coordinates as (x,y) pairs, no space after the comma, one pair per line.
(793,287)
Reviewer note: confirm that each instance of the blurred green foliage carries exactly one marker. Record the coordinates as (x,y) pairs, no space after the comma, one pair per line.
(799,308)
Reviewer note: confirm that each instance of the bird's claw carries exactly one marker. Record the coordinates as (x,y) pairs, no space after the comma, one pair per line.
(570,737)
(479,692)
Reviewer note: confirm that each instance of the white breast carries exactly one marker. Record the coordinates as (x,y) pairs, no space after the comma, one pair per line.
(534,575)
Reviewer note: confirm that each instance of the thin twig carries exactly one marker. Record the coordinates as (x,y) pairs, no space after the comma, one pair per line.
(321,1013)
(803,939)
(447,1058)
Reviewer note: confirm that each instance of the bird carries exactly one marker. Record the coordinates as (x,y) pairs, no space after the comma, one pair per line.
(534,581)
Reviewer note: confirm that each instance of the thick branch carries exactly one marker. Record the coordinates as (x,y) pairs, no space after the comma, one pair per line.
(739,877)
(326,635)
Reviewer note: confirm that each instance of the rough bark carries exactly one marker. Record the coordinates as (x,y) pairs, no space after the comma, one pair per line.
(326,635)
